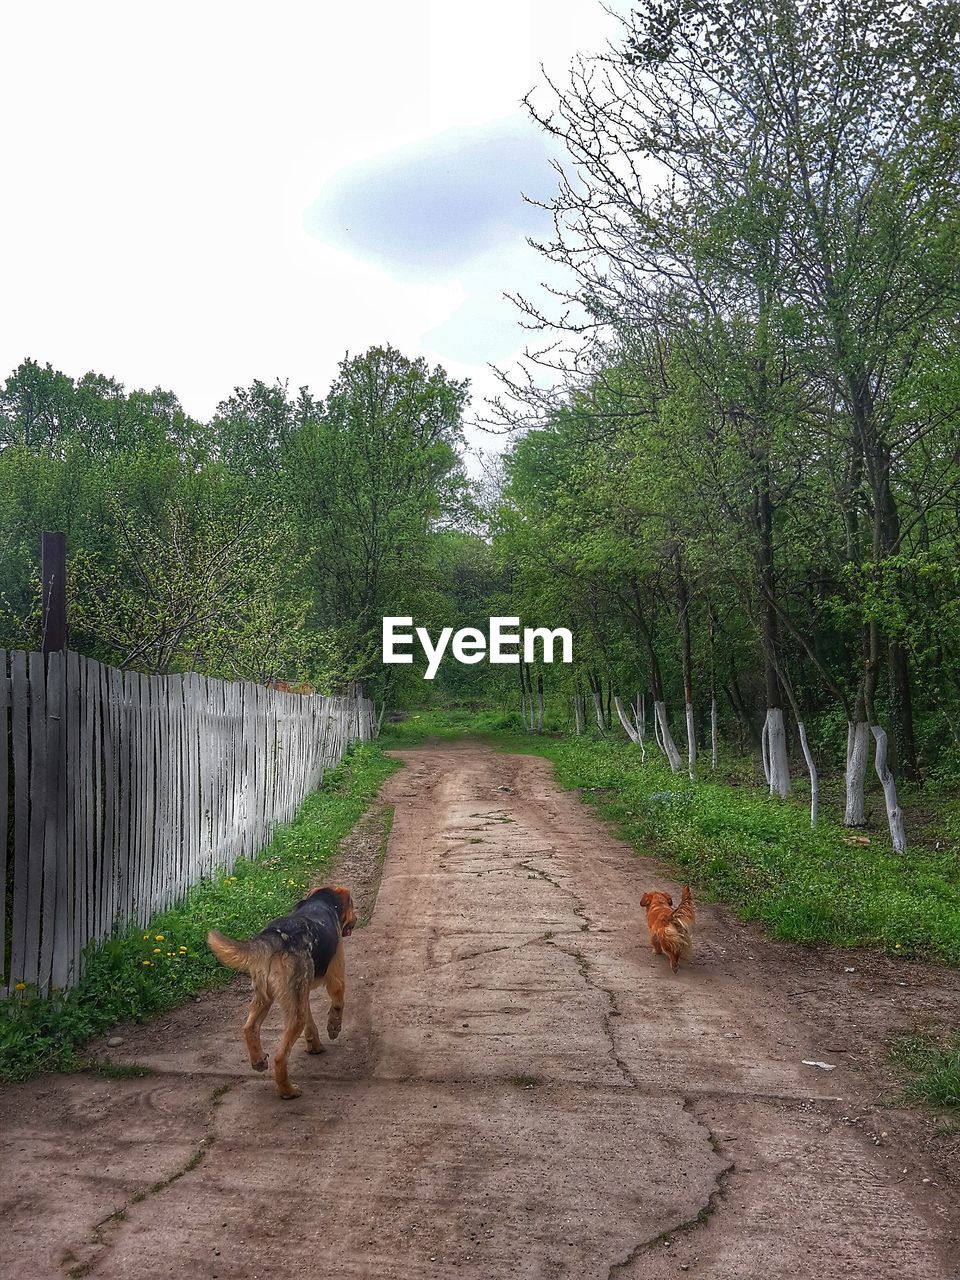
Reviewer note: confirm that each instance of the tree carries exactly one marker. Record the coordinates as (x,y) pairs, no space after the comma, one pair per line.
(375,474)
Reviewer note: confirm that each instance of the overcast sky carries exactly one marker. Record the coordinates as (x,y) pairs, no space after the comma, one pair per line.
(200,194)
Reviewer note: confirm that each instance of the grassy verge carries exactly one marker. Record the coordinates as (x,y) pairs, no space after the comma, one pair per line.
(740,847)
(141,972)
(933,1068)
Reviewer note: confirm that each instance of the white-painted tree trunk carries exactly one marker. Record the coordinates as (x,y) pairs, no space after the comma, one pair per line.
(664,737)
(894,812)
(713,733)
(628,728)
(812,770)
(578,715)
(640,720)
(598,708)
(777,763)
(765,751)
(539,704)
(691,742)
(858,743)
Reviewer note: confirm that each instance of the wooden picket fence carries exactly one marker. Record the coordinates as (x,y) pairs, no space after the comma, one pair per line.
(119,791)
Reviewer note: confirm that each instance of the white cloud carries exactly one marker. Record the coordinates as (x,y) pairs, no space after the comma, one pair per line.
(159,160)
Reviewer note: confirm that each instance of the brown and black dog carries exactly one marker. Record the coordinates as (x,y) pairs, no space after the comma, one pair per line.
(669,925)
(286,960)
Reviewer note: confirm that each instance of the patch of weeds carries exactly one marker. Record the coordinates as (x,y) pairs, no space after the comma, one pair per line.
(112,1070)
(525,1082)
(933,1069)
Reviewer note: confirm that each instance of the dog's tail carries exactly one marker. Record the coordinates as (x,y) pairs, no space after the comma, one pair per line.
(246,954)
(682,917)
(684,914)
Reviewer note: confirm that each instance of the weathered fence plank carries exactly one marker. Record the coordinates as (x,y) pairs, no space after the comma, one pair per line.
(4,807)
(19,713)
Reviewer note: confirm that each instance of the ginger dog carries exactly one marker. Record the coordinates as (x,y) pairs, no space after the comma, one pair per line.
(669,925)
(286,960)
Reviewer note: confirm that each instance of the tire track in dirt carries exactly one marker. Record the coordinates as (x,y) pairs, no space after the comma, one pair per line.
(521,1089)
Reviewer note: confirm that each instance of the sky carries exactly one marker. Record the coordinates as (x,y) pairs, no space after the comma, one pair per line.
(200,194)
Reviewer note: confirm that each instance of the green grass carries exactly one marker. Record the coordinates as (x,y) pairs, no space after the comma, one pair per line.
(933,1068)
(740,847)
(141,972)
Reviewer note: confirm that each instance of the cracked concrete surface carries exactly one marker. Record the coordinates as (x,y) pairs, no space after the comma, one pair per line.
(521,1090)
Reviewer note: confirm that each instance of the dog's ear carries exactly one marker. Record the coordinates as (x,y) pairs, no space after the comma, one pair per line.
(345,899)
(669,899)
(645,900)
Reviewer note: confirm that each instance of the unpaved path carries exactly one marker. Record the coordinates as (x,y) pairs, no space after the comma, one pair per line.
(521,1090)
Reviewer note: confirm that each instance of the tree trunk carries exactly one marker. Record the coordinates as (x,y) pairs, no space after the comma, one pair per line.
(812,770)
(691,742)
(902,712)
(713,732)
(683,610)
(775,734)
(894,812)
(527,707)
(765,751)
(578,713)
(858,738)
(597,691)
(664,737)
(787,687)
(539,702)
(778,765)
(628,728)
(640,721)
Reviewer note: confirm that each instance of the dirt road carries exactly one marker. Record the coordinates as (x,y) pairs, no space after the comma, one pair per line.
(521,1090)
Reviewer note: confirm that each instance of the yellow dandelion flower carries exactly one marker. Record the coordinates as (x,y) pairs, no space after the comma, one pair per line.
(158,937)
(156,951)
(146,936)
(147,962)
(183,951)
(21,986)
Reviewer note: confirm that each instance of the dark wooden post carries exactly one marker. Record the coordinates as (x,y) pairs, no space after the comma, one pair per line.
(53,568)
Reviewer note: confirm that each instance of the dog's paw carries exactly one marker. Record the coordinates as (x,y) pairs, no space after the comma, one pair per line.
(334,1023)
(291,1093)
(261,1065)
(316,1047)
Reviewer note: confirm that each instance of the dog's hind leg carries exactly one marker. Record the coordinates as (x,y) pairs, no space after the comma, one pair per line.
(312,1034)
(259,1008)
(335,982)
(295,1001)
